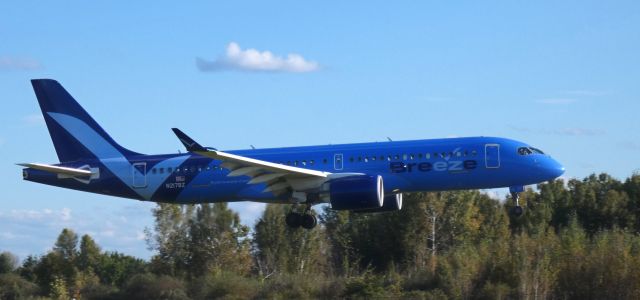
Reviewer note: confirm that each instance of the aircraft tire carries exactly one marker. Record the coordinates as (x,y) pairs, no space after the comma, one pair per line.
(309,221)
(293,219)
(517,211)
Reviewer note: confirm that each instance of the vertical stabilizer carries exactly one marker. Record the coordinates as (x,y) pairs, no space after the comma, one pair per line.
(74,133)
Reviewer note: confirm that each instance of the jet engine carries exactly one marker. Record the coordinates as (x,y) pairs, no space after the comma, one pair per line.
(359,192)
(391,203)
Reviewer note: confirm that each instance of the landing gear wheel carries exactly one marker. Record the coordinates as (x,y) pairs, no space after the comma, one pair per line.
(309,221)
(517,211)
(294,219)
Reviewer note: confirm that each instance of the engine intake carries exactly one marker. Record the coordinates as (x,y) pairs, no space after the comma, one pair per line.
(357,192)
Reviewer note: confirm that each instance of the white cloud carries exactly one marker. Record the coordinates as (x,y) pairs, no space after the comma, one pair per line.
(48,215)
(556,101)
(569,131)
(588,93)
(577,131)
(249,212)
(65,214)
(34,119)
(19,63)
(630,145)
(254,60)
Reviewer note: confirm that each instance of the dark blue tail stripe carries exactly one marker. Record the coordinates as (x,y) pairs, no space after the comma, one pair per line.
(52,97)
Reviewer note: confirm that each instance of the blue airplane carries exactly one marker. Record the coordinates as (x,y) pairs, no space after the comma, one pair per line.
(364,177)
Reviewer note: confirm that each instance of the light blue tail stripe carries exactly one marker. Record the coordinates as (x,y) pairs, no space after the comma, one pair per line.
(115,161)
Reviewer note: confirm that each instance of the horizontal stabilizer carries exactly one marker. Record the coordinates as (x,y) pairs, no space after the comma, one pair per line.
(58,170)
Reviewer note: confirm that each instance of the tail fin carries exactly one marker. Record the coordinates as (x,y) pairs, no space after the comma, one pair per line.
(74,133)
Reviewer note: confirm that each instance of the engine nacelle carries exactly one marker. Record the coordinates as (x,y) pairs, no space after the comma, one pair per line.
(391,203)
(356,192)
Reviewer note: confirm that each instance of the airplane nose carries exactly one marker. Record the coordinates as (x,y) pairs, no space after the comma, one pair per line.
(555,169)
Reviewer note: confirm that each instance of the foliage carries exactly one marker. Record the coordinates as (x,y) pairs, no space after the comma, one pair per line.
(13,286)
(576,240)
(8,262)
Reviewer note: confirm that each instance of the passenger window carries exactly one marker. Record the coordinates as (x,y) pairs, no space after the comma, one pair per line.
(397,157)
(311,162)
(427,155)
(458,154)
(419,155)
(389,157)
(474,152)
(161,170)
(404,157)
(169,170)
(351,159)
(373,158)
(304,162)
(411,156)
(466,152)
(153,170)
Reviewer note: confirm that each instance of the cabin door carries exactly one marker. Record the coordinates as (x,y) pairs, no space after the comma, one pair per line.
(492,156)
(337,162)
(139,171)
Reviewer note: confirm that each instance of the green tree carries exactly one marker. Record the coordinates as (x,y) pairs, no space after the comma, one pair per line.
(115,268)
(217,241)
(67,245)
(12,286)
(58,289)
(8,262)
(89,253)
(170,237)
(194,240)
(282,249)
(601,203)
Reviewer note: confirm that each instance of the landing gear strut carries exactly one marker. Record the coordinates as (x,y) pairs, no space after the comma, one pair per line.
(296,219)
(516,210)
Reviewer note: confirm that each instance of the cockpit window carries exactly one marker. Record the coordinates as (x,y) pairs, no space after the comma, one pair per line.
(536,150)
(524,151)
(529,151)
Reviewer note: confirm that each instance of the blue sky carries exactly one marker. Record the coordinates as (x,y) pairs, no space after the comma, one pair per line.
(561,76)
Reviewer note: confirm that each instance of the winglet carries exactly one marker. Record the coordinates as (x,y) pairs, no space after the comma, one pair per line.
(189,143)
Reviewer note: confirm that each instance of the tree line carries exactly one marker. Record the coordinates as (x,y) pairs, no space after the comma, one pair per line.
(577,240)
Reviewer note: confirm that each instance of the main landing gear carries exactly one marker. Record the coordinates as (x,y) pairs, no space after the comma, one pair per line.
(305,219)
(516,210)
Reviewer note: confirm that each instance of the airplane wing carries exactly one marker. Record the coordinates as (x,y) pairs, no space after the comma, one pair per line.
(278,177)
(58,169)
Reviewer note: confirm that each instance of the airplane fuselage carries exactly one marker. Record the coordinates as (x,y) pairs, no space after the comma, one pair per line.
(406,166)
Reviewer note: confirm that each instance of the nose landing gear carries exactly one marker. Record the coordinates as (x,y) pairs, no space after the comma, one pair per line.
(516,210)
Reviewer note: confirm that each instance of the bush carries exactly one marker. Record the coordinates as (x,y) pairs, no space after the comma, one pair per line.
(224,286)
(149,286)
(13,286)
